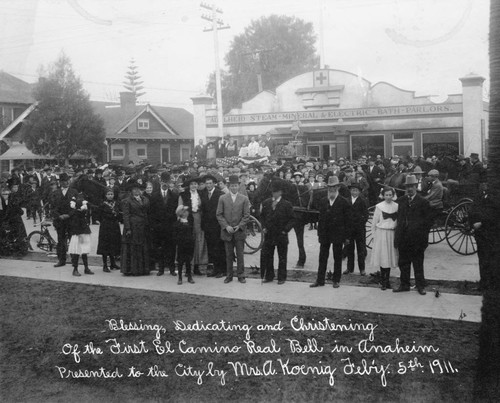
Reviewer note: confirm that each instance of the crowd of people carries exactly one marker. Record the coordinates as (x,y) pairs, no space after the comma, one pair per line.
(190,216)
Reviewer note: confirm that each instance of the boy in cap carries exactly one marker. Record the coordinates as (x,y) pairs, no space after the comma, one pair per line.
(184,239)
(359,208)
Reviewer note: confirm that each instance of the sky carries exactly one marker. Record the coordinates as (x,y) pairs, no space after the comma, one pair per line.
(419,45)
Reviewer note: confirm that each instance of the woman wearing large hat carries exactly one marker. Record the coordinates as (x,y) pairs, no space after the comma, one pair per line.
(191,198)
(136,240)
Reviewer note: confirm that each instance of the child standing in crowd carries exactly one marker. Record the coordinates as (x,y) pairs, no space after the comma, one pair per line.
(79,231)
(184,237)
(109,244)
(384,254)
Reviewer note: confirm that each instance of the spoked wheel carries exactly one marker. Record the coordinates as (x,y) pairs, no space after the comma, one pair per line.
(459,233)
(37,241)
(254,239)
(368,227)
(438,232)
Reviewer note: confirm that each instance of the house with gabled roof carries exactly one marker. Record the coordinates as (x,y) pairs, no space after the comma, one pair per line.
(150,133)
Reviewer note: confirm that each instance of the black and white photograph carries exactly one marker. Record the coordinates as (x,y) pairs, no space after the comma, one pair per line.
(249,201)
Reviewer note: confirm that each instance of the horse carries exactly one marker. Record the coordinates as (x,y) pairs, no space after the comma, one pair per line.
(94,192)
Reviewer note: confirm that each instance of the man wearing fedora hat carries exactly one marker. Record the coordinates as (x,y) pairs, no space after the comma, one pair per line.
(62,198)
(210,225)
(277,220)
(334,229)
(411,236)
(233,213)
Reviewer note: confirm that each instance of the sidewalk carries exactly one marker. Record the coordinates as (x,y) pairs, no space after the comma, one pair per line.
(364,299)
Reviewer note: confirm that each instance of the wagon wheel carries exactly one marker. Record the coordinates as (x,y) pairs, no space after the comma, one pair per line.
(459,233)
(254,239)
(368,227)
(437,232)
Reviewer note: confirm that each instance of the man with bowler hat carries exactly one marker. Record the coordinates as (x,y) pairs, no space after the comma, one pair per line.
(411,236)
(277,220)
(233,213)
(359,207)
(163,205)
(62,210)
(334,228)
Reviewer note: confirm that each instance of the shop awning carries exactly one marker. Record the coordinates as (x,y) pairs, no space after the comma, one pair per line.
(18,151)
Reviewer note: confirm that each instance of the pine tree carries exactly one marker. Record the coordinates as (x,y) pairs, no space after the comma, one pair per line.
(133,84)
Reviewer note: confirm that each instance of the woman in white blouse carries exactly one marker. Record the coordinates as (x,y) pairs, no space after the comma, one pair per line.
(384,254)
(190,197)
(263,150)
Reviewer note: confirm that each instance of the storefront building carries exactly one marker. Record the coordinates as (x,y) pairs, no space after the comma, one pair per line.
(333,114)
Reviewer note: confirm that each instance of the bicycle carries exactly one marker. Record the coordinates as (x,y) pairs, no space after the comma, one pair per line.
(42,239)
(254,238)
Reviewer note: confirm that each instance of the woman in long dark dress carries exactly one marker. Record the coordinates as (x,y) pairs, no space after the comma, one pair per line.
(12,230)
(109,243)
(136,239)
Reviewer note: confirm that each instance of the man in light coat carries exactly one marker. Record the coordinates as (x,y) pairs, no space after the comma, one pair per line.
(233,213)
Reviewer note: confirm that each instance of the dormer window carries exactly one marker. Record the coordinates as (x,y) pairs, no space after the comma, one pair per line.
(143,124)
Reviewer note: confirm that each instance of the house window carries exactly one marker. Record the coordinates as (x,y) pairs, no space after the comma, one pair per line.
(141,153)
(143,124)
(117,151)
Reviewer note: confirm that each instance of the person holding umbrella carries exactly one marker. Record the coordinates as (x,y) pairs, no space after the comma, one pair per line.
(277,219)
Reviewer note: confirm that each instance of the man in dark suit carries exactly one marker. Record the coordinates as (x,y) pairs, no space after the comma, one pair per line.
(359,208)
(210,225)
(200,151)
(62,199)
(277,220)
(233,213)
(375,176)
(334,228)
(411,237)
(162,215)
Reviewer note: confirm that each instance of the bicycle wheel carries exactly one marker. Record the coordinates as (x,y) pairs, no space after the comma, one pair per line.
(368,227)
(254,239)
(459,233)
(38,241)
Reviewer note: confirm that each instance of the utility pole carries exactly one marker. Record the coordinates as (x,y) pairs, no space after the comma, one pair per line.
(217,24)
(256,55)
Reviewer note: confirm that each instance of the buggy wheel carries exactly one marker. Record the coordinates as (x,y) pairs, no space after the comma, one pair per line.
(368,227)
(254,238)
(37,241)
(459,233)
(437,234)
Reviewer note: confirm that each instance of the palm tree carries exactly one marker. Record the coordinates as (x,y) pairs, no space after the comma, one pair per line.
(487,382)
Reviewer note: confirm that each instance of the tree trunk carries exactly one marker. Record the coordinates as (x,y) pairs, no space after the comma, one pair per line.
(487,382)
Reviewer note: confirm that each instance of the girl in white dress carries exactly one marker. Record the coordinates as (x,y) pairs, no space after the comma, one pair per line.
(384,254)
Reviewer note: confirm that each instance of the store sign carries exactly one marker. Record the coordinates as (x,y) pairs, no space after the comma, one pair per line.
(357,114)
